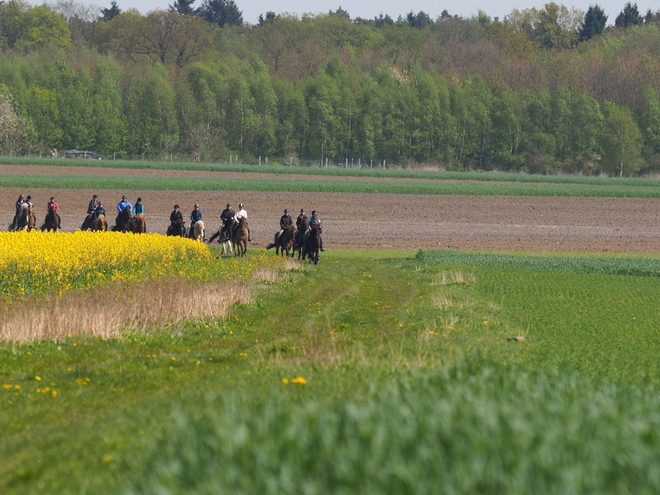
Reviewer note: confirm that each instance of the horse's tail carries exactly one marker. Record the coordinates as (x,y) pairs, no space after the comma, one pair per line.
(270,246)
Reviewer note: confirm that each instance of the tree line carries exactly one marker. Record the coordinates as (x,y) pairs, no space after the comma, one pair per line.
(543,90)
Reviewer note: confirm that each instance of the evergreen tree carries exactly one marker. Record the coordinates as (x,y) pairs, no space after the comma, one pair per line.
(629,16)
(111,13)
(221,12)
(594,23)
(183,7)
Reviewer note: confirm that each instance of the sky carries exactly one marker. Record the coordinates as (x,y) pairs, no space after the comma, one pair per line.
(369,9)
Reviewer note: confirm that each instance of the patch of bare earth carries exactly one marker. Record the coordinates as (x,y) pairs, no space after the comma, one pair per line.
(381,221)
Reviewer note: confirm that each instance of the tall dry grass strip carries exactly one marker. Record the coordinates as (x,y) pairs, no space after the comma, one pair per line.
(109,310)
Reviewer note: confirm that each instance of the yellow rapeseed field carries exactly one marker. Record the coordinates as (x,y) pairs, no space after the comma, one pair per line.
(37,262)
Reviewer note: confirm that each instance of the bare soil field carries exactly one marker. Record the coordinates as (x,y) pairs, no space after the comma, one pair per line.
(384,221)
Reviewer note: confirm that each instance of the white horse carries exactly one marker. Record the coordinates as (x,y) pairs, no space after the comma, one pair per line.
(199,231)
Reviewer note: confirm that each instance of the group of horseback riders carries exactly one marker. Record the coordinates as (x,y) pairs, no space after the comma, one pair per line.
(300,236)
(25,218)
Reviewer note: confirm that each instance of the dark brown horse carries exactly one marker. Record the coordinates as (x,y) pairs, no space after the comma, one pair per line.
(123,221)
(99,224)
(32,219)
(138,224)
(179,228)
(239,238)
(284,241)
(52,222)
(312,244)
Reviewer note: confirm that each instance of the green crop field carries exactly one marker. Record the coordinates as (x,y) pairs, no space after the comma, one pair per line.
(649,189)
(373,372)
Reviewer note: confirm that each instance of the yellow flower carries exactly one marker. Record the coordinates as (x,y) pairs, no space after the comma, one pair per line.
(7,386)
(38,378)
(299,381)
(285,380)
(107,458)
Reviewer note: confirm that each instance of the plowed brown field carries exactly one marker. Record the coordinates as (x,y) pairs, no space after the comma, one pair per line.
(384,221)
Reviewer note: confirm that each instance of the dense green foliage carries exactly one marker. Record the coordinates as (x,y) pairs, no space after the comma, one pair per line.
(541,91)
(410,383)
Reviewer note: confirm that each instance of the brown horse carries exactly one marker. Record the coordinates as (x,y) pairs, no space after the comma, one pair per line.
(99,224)
(138,224)
(284,241)
(52,222)
(32,219)
(312,244)
(299,241)
(123,221)
(239,238)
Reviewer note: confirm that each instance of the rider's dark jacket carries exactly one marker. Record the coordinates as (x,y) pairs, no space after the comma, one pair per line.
(285,221)
(176,215)
(99,211)
(93,205)
(227,216)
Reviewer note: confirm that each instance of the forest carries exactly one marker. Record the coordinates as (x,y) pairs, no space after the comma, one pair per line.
(551,90)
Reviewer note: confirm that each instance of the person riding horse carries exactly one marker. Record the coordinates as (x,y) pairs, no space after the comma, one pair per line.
(32,221)
(315,223)
(227,219)
(121,209)
(285,222)
(91,211)
(241,214)
(195,216)
(18,206)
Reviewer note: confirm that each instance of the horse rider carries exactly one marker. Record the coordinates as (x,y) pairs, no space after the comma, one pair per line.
(99,211)
(241,213)
(138,207)
(175,216)
(19,205)
(195,216)
(285,222)
(91,211)
(315,222)
(301,221)
(227,219)
(54,207)
(123,204)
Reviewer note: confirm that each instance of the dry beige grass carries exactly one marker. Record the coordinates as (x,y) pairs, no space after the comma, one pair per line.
(109,310)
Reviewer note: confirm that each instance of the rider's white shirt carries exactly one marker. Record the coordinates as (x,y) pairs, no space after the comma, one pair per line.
(240,214)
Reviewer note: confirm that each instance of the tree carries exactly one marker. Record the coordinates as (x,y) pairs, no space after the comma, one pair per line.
(621,141)
(629,16)
(164,36)
(183,7)
(111,13)
(420,20)
(595,21)
(42,26)
(14,129)
(221,12)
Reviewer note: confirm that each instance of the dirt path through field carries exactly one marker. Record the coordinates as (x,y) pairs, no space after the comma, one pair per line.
(398,221)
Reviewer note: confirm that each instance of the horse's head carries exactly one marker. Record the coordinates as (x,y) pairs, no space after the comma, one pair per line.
(24,206)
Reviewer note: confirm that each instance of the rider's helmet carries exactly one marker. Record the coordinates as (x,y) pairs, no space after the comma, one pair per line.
(286,210)
(228,205)
(302,210)
(20,196)
(176,207)
(240,205)
(314,213)
(124,197)
(196,206)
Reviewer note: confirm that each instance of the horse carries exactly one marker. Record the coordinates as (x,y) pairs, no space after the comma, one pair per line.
(137,224)
(223,239)
(23,219)
(87,222)
(99,224)
(284,241)
(298,242)
(239,238)
(32,219)
(312,245)
(179,228)
(198,231)
(123,221)
(52,222)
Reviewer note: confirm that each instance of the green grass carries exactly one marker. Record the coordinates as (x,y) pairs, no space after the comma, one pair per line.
(647,189)
(411,387)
